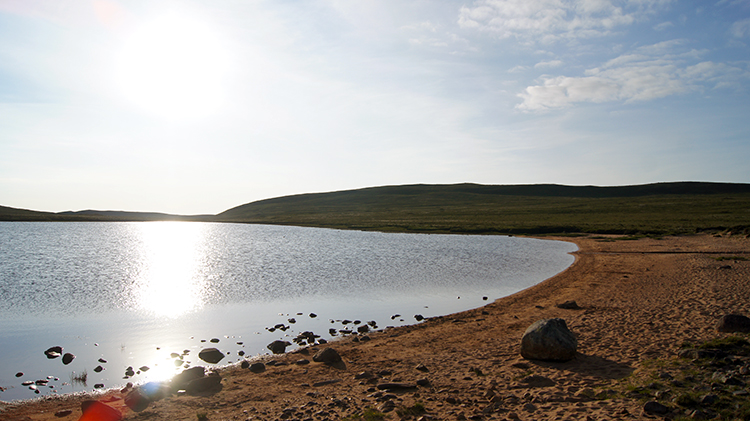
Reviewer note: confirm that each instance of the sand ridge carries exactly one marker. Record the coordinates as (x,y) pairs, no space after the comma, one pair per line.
(640,300)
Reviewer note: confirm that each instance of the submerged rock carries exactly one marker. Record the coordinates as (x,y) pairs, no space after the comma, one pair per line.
(549,340)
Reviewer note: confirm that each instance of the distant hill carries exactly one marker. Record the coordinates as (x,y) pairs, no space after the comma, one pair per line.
(540,208)
(13,214)
(661,208)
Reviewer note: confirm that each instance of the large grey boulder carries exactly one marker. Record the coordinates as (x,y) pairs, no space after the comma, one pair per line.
(549,340)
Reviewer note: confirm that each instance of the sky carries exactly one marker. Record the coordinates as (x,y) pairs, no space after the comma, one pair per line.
(194,107)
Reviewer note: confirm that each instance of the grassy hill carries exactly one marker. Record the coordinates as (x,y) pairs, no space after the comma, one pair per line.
(661,208)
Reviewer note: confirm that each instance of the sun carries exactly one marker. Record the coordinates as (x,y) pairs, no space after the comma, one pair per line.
(173,67)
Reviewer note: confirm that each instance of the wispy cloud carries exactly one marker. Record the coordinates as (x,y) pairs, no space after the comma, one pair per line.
(645,74)
(740,29)
(551,20)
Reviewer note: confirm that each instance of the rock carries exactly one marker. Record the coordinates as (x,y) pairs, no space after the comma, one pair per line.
(257,367)
(53,352)
(327,356)
(419,317)
(326,382)
(313,315)
(549,340)
(537,381)
(396,386)
(363,329)
(278,347)
(19,374)
(653,407)
(99,386)
(98,369)
(245,364)
(102,360)
(136,401)
(68,358)
(292,320)
(734,323)
(214,340)
(204,384)
(423,382)
(63,413)
(211,355)
(95,410)
(701,353)
(302,361)
(145,368)
(421,367)
(181,380)
(569,305)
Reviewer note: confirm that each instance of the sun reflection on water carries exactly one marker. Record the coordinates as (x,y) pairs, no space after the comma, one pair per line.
(170,284)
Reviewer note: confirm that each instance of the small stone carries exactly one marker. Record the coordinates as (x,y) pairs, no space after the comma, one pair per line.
(257,367)
(327,356)
(278,347)
(734,323)
(653,407)
(53,352)
(313,315)
(68,358)
(102,360)
(211,355)
(569,305)
(98,369)
(421,367)
(215,340)
(203,384)
(19,374)
(98,385)
(418,317)
(63,413)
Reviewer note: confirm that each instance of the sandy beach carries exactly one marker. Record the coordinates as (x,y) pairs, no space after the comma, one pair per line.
(640,301)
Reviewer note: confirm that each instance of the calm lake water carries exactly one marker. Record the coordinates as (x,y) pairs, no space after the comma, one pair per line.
(135,293)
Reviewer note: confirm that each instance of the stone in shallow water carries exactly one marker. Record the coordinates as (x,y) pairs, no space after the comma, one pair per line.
(278,347)
(53,352)
(211,355)
(68,358)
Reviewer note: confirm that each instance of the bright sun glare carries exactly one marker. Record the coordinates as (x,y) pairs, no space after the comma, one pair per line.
(173,67)
(170,286)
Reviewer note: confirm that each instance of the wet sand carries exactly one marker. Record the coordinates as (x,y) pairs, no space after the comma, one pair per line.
(640,301)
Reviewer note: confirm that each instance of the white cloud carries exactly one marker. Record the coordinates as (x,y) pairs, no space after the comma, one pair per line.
(663,26)
(548,64)
(550,20)
(643,75)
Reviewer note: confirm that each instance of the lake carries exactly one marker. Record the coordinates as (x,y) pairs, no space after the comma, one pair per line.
(153,294)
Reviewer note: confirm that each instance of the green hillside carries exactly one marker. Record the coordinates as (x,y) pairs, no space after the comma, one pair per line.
(683,207)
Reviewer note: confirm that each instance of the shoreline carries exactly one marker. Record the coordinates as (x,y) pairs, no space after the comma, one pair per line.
(640,300)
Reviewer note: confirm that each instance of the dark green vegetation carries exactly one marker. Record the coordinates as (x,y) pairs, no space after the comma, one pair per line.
(708,377)
(663,208)
(666,208)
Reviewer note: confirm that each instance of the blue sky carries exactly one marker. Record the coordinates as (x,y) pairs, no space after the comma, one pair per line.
(195,107)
